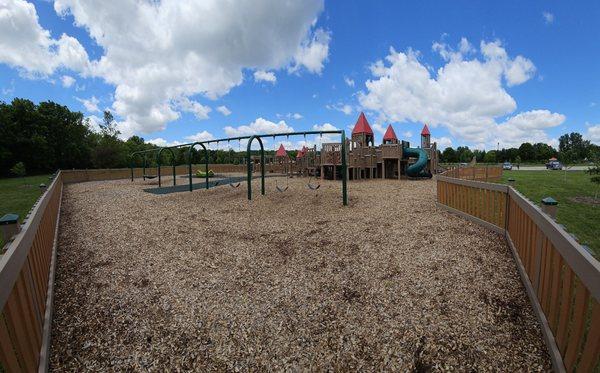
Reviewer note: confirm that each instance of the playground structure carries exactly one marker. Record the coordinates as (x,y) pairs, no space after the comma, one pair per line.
(350,159)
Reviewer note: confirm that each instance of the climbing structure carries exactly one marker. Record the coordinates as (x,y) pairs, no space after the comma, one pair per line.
(393,159)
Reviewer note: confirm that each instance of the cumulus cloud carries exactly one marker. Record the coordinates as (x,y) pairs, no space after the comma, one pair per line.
(442,142)
(24,44)
(593,134)
(156,53)
(344,108)
(312,53)
(259,126)
(349,82)
(90,104)
(159,141)
(224,110)
(67,81)
(265,76)
(467,94)
(93,123)
(200,136)
(200,111)
(548,17)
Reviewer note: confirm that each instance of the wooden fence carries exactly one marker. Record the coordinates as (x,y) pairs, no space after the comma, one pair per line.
(561,278)
(480,173)
(26,286)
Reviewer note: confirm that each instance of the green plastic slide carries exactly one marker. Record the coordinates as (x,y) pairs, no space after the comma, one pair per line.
(416,169)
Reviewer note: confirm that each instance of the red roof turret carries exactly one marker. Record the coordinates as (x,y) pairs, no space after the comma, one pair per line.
(362,125)
(425,131)
(390,134)
(281,152)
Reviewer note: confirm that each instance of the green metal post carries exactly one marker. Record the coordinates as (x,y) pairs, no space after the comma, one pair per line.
(262,165)
(190,163)
(344,171)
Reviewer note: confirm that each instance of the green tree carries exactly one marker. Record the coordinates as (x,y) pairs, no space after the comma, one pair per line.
(18,169)
(526,152)
(449,155)
(490,157)
(575,145)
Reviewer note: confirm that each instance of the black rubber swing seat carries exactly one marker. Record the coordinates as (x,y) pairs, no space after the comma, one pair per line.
(149,176)
(281,190)
(313,187)
(234,185)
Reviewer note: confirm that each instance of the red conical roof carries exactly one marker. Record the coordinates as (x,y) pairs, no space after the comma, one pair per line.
(281,152)
(362,125)
(300,153)
(425,131)
(390,134)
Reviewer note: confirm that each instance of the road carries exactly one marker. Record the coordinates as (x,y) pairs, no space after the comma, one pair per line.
(543,168)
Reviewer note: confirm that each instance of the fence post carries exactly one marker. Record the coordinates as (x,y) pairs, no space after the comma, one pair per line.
(486,173)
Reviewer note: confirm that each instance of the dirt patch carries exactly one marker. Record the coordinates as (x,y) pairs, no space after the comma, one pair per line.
(586,200)
(289,281)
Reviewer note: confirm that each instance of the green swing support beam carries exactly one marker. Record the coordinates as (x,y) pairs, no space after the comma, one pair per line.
(250,139)
(144,153)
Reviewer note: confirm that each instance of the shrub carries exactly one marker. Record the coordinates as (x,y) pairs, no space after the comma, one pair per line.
(18,169)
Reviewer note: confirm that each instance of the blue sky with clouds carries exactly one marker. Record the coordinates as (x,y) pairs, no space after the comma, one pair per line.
(171,71)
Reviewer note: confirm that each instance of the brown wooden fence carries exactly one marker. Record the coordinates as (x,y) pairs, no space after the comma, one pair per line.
(480,173)
(562,279)
(26,286)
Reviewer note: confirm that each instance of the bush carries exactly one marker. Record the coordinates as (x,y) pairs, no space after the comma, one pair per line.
(18,169)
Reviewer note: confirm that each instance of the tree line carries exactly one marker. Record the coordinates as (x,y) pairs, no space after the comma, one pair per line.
(572,148)
(44,137)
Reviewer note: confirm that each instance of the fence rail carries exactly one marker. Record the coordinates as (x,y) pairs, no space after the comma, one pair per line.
(561,278)
(26,286)
(480,173)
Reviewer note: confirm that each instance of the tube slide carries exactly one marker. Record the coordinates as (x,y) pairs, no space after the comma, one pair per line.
(416,169)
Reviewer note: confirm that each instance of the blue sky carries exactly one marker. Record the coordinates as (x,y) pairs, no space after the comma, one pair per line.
(478,72)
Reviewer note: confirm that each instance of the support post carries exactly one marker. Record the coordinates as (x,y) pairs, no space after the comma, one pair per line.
(344,171)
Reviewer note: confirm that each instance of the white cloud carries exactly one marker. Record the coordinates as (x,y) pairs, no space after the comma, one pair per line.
(528,126)
(548,17)
(224,110)
(157,52)
(349,82)
(24,44)
(344,108)
(200,111)
(296,116)
(408,134)
(200,136)
(159,141)
(67,81)
(442,142)
(265,76)
(93,123)
(593,134)
(90,104)
(466,95)
(259,126)
(312,53)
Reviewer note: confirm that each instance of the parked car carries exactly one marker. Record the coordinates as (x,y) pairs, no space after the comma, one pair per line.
(507,166)
(554,165)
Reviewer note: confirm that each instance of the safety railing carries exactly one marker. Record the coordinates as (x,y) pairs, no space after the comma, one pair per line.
(561,278)
(26,286)
(479,173)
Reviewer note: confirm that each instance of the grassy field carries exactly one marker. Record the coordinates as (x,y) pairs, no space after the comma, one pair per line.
(17,195)
(577,210)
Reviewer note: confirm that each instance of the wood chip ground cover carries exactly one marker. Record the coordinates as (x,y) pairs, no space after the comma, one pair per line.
(289,281)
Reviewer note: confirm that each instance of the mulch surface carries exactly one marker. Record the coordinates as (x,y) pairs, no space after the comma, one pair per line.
(208,280)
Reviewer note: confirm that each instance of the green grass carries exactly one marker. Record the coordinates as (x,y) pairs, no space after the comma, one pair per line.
(580,219)
(17,195)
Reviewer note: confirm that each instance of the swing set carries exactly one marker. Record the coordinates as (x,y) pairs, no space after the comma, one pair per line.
(236,183)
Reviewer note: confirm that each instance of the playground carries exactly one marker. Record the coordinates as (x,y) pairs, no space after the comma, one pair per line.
(287,281)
